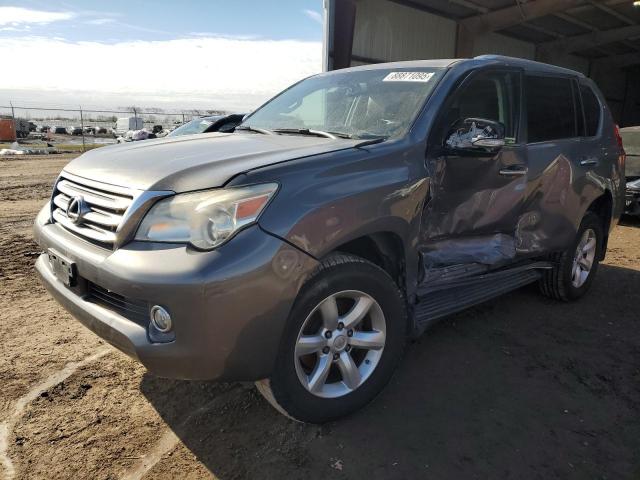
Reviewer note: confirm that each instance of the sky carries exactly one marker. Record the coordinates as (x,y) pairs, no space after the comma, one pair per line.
(212,54)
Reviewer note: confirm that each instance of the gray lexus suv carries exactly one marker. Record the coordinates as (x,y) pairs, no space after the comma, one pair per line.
(343,217)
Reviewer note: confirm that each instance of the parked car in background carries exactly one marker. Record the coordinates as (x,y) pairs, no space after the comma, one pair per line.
(44,128)
(32,127)
(89,130)
(59,130)
(631,141)
(101,130)
(123,125)
(208,124)
(301,251)
(74,130)
(136,136)
(23,127)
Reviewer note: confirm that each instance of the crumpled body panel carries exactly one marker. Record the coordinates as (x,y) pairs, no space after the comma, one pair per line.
(470,197)
(487,250)
(472,212)
(476,217)
(547,221)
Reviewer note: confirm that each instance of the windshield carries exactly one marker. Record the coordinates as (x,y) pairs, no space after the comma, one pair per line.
(360,104)
(198,125)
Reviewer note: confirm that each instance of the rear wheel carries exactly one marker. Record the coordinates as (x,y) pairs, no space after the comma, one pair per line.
(344,338)
(576,267)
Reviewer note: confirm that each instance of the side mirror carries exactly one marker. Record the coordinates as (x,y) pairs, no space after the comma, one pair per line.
(489,143)
(476,134)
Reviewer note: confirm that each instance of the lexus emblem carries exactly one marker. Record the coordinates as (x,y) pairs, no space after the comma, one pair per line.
(76,209)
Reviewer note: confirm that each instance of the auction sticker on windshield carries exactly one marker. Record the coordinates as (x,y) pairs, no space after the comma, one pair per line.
(408,77)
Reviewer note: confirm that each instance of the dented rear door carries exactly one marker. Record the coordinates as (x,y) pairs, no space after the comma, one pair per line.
(554,127)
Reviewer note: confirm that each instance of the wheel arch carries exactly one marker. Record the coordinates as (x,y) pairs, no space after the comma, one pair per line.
(603,207)
(384,249)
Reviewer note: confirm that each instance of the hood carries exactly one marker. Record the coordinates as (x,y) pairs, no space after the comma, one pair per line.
(195,162)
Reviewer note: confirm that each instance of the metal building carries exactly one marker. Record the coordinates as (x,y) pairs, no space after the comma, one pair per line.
(600,38)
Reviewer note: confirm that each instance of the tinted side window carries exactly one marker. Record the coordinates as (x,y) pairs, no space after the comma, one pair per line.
(490,96)
(591,110)
(551,113)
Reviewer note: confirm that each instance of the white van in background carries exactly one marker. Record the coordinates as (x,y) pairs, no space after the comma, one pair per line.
(123,125)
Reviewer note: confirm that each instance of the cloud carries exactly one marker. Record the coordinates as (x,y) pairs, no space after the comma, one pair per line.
(224,35)
(205,72)
(17,16)
(138,28)
(109,19)
(315,16)
(100,21)
(26,28)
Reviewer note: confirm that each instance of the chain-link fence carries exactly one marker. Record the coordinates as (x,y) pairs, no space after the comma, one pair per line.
(84,128)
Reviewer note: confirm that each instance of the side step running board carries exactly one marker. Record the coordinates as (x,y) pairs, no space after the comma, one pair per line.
(440,300)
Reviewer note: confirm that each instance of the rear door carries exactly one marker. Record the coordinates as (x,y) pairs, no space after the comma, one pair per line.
(555,127)
(475,196)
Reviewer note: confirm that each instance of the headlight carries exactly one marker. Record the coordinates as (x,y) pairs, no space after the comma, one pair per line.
(205,219)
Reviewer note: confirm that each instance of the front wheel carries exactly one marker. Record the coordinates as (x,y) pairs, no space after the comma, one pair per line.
(344,338)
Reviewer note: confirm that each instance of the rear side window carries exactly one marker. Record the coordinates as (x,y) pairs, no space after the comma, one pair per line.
(591,110)
(551,112)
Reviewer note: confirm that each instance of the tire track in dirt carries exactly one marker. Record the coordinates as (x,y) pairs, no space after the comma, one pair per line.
(6,427)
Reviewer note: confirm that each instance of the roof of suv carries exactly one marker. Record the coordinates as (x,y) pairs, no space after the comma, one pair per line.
(528,65)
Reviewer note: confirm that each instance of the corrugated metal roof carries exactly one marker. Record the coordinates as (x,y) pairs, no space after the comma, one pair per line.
(586,17)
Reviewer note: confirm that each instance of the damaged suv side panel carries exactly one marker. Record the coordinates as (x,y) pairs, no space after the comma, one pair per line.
(569,166)
(548,183)
(480,210)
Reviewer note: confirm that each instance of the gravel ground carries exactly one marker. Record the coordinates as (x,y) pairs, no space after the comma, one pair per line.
(520,387)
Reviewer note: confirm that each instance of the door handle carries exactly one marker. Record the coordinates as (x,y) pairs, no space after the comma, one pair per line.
(589,162)
(514,170)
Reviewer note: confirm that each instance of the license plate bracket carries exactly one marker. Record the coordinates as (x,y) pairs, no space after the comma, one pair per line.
(63,268)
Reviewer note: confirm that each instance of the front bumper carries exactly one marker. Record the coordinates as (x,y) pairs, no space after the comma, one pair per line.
(229,306)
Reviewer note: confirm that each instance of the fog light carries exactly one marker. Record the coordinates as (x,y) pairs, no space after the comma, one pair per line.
(161,319)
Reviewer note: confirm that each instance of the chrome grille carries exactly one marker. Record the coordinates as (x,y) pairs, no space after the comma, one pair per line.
(106,207)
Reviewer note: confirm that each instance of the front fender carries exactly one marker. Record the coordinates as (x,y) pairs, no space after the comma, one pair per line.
(327,201)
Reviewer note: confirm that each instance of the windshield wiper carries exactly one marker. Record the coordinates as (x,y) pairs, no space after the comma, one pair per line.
(367,139)
(249,128)
(315,133)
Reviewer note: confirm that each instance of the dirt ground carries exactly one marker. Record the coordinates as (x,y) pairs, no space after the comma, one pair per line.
(520,387)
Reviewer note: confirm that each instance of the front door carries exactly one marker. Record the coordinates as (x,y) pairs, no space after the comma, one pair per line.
(476,195)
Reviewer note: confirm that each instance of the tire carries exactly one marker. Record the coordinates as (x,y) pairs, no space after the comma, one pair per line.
(562,282)
(341,288)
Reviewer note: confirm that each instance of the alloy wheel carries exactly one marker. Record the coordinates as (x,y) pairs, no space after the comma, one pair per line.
(583,258)
(340,344)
